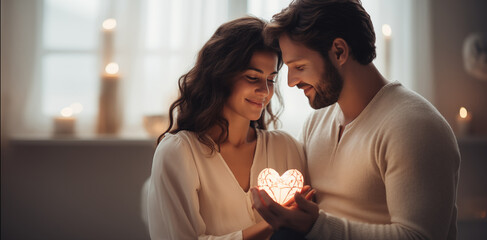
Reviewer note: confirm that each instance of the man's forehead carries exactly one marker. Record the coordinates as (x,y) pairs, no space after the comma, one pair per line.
(291,50)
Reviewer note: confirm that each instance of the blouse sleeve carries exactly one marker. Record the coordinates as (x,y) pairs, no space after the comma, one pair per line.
(172,204)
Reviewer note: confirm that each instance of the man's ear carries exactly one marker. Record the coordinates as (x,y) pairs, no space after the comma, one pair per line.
(339,52)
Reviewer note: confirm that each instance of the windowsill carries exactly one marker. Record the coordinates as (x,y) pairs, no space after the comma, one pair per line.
(83,139)
(472,139)
(139,139)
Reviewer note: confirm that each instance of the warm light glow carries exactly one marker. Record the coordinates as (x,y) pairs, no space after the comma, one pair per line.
(77,107)
(109,24)
(280,188)
(483,214)
(67,112)
(386,30)
(112,68)
(463,112)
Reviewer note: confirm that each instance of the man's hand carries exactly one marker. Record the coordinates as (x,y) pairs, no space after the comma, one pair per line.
(299,217)
(306,191)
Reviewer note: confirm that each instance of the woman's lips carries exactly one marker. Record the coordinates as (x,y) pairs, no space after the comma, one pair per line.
(255,102)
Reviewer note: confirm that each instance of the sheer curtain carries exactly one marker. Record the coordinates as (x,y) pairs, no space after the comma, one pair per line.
(55,48)
(158,41)
(54,59)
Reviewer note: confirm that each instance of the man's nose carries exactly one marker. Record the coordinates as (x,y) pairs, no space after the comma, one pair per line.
(292,80)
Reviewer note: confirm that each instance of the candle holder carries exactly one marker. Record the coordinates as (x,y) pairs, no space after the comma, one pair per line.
(155,125)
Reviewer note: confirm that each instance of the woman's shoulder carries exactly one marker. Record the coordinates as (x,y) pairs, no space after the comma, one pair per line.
(175,142)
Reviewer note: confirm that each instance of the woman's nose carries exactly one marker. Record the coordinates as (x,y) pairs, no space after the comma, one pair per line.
(263,87)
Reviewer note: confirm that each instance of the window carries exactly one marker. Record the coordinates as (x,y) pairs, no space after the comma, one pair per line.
(69,56)
(59,60)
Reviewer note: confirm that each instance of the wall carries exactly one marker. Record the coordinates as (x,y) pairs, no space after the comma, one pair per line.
(452,22)
(74,189)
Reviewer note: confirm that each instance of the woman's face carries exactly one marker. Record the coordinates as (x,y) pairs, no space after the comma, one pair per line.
(253,88)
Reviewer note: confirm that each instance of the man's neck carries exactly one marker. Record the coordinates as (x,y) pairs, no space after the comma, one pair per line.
(360,84)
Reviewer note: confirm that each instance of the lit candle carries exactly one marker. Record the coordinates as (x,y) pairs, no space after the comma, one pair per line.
(387,32)
(108,31)
(65,124)
(109,113)
(463,122)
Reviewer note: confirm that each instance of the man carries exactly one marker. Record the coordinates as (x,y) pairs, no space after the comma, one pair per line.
(383,161)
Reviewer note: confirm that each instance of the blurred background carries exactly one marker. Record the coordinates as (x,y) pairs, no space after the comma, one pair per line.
(86,86)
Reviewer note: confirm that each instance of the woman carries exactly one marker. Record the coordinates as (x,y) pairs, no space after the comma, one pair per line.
(205,164)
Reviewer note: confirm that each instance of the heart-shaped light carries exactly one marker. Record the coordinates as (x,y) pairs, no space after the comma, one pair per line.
(280,188)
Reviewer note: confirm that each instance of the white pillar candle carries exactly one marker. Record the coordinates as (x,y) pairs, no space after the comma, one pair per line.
(109,111)
(109,26)
(387,32)
(65,124)
(463,122)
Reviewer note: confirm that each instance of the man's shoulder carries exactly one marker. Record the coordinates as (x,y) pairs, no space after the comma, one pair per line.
(409,114)
(406,106)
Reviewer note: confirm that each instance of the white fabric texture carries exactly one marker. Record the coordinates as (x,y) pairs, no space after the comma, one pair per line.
(392,175)
(193,194)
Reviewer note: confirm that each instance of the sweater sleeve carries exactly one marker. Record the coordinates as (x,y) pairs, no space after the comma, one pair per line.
(419,163)
(173,205)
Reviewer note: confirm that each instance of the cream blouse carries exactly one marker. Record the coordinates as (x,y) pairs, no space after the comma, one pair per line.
(193,194)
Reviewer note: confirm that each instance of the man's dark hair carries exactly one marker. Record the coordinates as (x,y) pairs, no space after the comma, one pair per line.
(316,23)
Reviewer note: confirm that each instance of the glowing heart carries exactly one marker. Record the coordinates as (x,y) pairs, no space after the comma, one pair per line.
(280,188)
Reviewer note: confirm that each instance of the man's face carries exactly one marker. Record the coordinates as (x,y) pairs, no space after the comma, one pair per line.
(309,71)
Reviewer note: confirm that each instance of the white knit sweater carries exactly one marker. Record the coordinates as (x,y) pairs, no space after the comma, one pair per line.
(392,175)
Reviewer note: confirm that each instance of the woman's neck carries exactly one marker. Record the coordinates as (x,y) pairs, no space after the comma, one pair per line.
(239,132)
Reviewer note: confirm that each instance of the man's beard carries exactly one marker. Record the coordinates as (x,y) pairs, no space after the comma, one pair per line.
(329,88)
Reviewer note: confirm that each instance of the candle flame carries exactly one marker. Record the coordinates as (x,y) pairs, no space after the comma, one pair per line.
(386,30)
(77,107)
(463,112)
(109,24)
(112,68)
(67,112)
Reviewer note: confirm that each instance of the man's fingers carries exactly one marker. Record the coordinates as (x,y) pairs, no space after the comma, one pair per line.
(304,204)
(310,194)
(305,189)
(289,203)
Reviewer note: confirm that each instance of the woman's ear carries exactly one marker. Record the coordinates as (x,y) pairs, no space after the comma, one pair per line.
(339,52)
